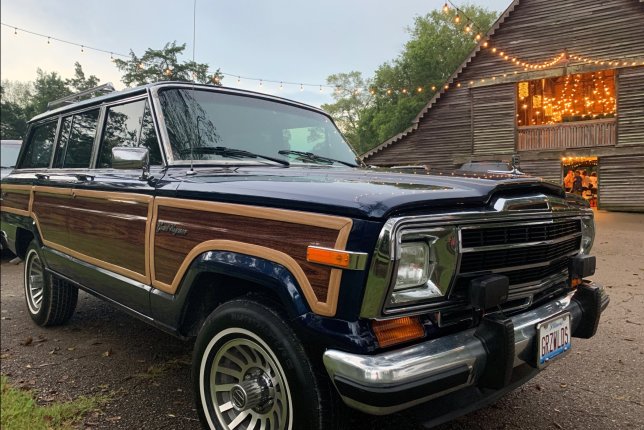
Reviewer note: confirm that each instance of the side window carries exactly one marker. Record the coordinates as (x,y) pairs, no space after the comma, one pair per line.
(74,149)
(41,144)
(128,125)
(63,138)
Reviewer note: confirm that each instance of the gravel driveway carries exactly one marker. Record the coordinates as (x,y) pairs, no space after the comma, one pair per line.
(599,385)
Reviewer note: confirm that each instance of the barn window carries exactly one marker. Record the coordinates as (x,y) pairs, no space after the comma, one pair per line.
(577,97)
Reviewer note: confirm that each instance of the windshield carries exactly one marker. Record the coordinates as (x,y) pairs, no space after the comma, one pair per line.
(198,121)
(9,154)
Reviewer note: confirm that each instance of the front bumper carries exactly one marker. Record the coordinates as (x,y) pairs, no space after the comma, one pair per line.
(492,357)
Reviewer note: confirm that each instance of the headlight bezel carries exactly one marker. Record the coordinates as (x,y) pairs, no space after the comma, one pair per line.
(442,248)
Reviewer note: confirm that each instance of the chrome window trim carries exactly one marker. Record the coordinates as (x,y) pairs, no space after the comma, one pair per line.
(385,257)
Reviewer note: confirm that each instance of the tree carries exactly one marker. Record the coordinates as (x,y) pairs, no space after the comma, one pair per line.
(351,97)
(21,101)
(163,65)
(437,46)
(79,82)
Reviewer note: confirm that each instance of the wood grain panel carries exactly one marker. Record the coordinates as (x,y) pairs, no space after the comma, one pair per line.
(181,230)
(288,238)
(14,200)
(50,211)
(110,229)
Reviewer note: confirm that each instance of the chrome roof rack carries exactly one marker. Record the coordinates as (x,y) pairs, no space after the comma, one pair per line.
(72,98)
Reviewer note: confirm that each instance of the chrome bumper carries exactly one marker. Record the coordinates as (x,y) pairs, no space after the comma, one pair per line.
(395,380)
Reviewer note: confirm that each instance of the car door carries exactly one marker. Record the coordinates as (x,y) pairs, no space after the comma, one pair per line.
(109,221)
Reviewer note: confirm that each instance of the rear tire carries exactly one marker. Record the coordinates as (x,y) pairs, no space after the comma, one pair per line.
(50,300)
(250,371)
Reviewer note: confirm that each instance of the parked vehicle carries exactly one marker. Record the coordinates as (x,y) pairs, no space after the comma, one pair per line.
(9,150)
(498,167)
(245,221)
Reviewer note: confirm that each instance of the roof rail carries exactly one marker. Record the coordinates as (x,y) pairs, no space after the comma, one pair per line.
(101,89)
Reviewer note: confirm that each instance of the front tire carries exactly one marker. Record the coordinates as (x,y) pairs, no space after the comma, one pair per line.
(50,300)
(250,371)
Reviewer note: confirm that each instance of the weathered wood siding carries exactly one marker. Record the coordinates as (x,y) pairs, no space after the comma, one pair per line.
(630,106)
(534,31)
(621,182)
(549,170)
(437,139)
(493,113)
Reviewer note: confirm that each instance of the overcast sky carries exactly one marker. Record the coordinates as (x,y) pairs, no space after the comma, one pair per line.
(282,40)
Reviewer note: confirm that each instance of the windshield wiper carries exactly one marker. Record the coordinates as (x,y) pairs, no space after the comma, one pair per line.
(309,156)
(230,153)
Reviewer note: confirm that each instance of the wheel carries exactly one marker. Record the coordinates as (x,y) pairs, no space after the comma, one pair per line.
(251,372)
(50,300)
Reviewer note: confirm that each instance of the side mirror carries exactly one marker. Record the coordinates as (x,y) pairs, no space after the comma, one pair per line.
(125,157)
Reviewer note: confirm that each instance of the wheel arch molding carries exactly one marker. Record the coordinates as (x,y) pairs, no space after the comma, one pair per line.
(216,277)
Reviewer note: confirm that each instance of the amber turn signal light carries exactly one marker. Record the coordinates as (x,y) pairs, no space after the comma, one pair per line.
(328,257)
(391,332)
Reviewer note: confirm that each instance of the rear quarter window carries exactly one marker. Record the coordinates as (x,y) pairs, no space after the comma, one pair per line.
(40,146)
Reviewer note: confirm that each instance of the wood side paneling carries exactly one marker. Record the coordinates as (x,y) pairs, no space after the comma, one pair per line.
(493,112)
(51,211)
(16,199)
(620,183)
(283,236)
(630,106)
(550,169)
(534,31)
(110,230)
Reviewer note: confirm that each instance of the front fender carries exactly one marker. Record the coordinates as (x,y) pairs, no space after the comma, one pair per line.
(170,310)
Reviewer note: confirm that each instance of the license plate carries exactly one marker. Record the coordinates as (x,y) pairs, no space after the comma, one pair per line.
(553,338)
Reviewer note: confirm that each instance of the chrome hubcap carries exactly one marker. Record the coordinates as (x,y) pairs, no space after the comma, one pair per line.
(248,388)
(34,282)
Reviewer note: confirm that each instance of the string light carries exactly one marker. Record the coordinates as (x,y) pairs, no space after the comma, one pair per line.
(48,41)
(281,86)
(238,80)
(82,48)
(457,18)
(445,8)
(15,30)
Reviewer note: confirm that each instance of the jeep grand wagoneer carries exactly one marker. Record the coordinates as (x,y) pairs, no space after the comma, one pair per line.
(308,280)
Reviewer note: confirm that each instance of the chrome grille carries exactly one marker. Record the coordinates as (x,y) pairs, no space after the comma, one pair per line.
(533,255)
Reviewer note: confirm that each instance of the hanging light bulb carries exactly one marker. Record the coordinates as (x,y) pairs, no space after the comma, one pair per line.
(457,19)
(15,30)
(419,89)
(445,8)
(281,86)
(261,84)
(238,80)
(433,88)
(48,41)
(477,37)
(468,27)
(320,88)
(301,87)
(82,48)
(112,56)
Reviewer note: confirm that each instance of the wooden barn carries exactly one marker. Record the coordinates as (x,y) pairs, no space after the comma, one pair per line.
(558,82)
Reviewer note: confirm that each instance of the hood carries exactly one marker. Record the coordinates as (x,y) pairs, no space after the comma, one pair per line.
(364,193)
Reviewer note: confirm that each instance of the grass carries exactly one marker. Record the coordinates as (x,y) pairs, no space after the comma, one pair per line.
(19,410)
